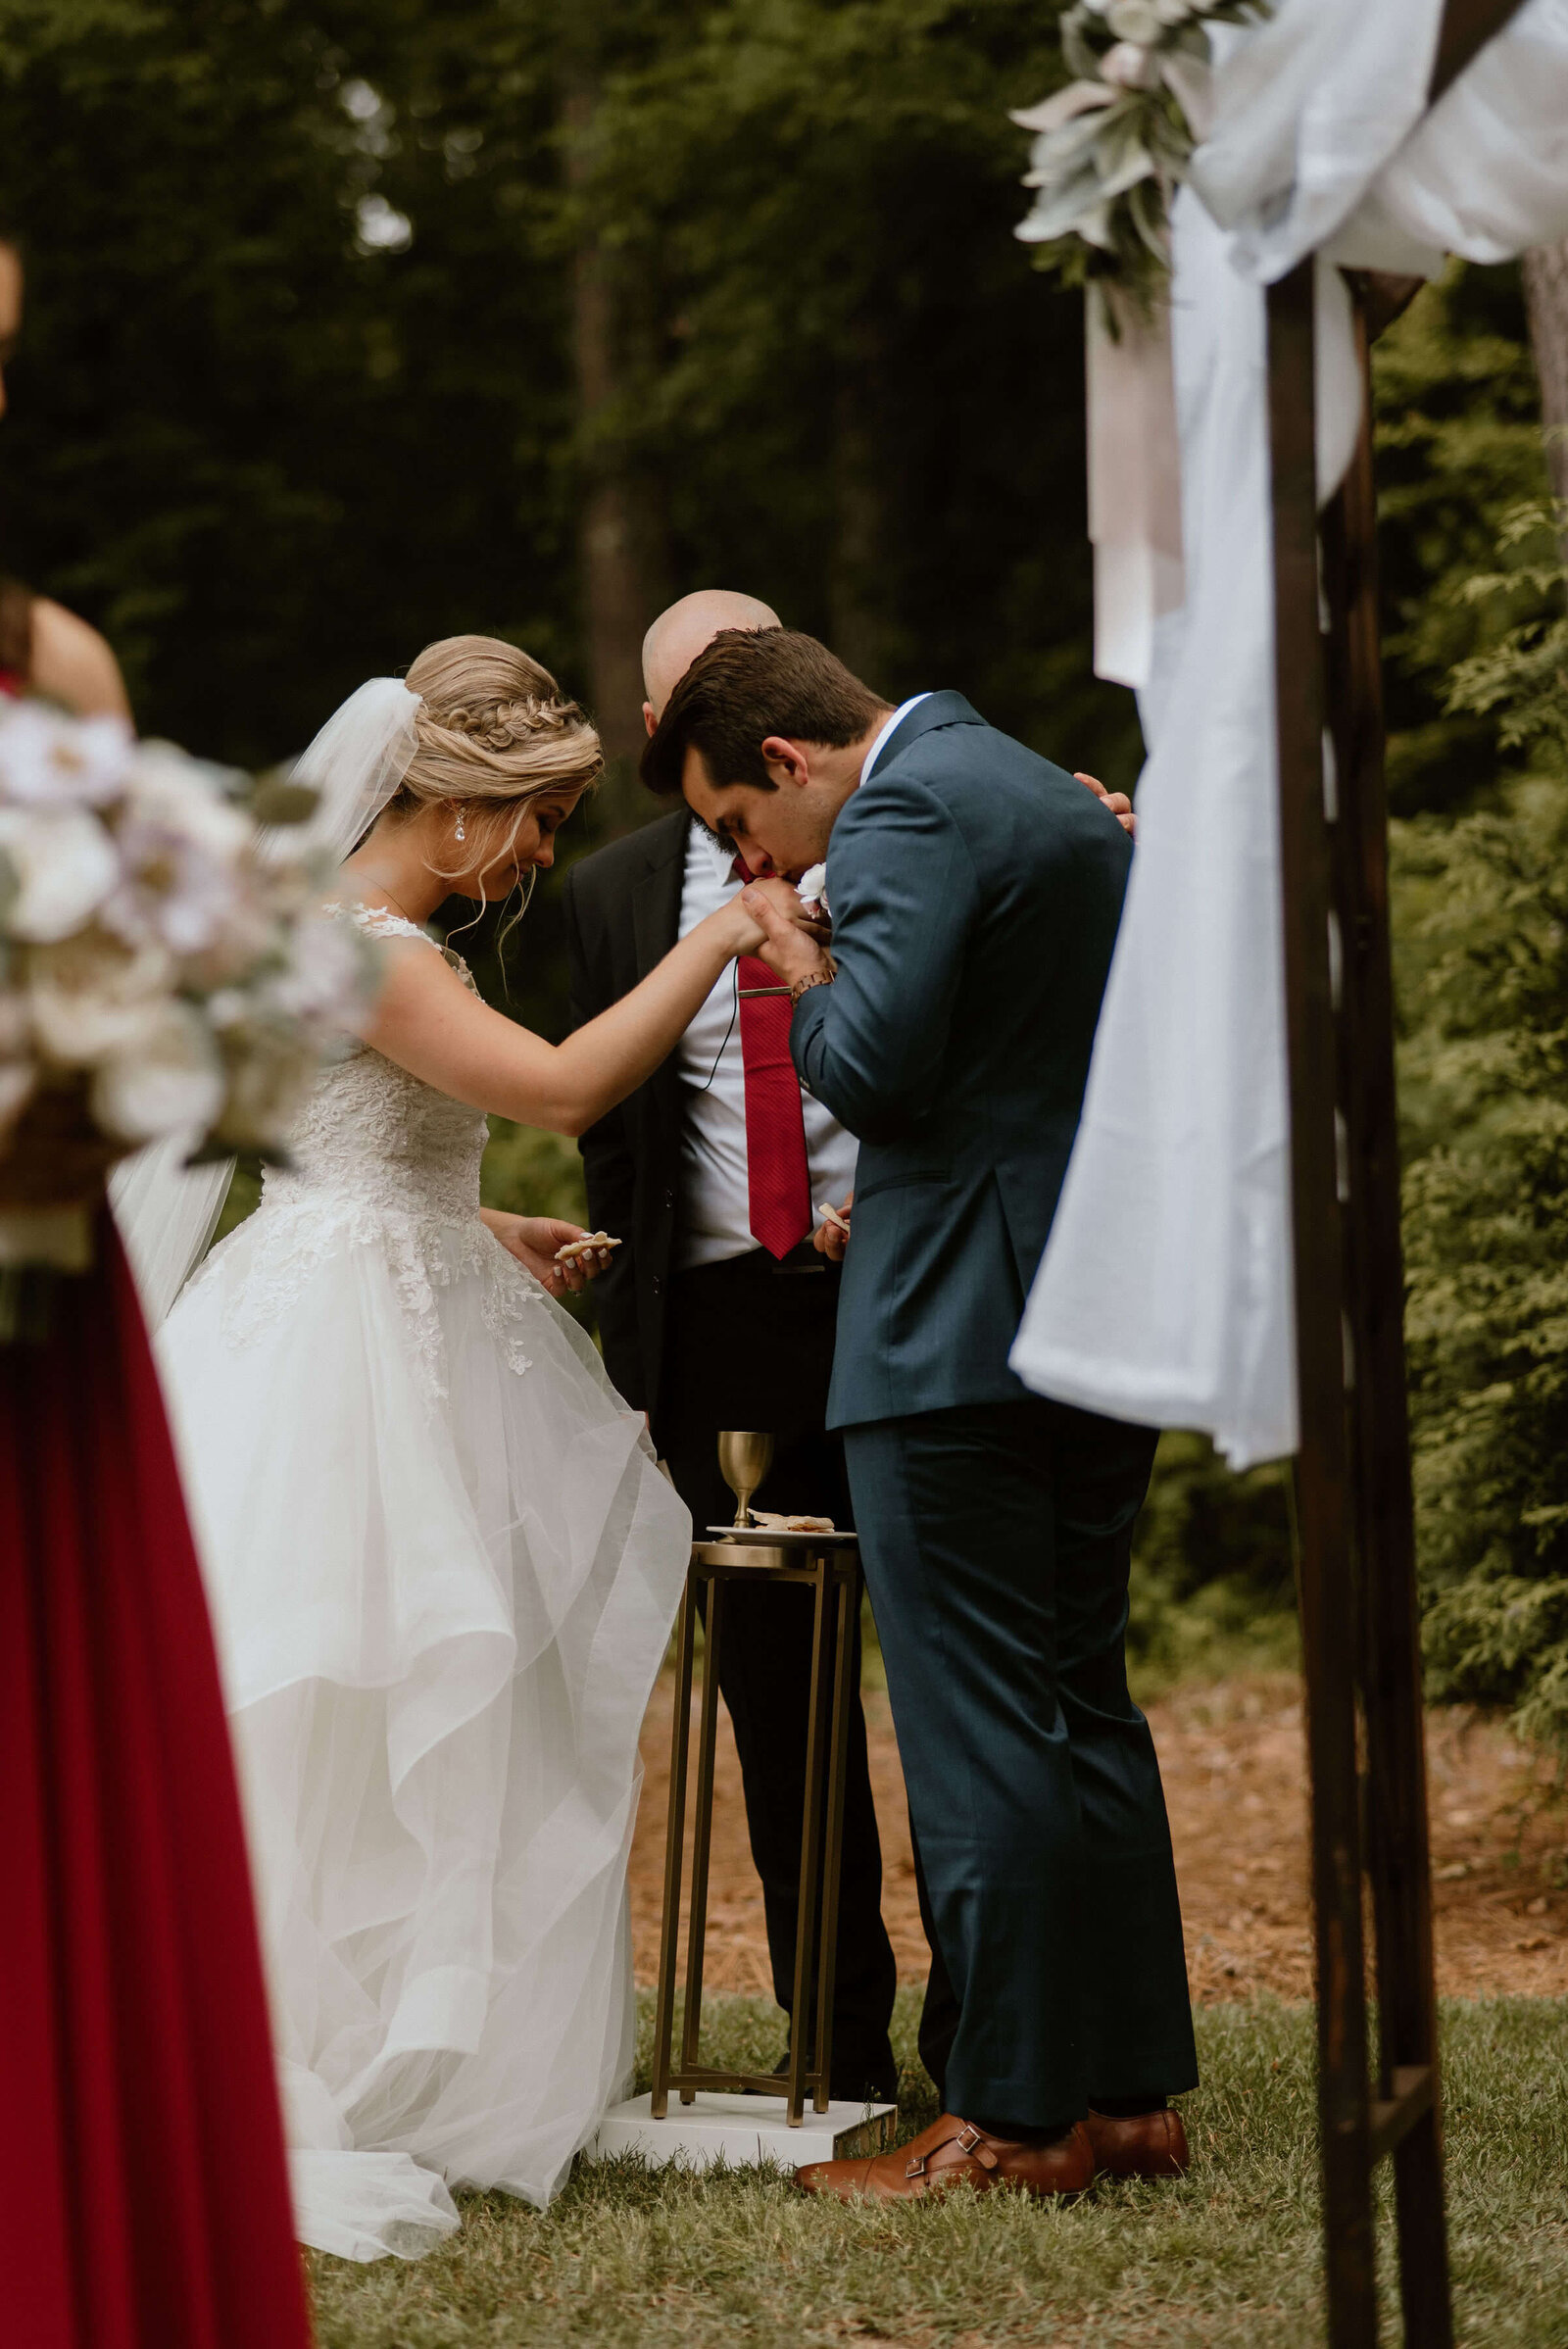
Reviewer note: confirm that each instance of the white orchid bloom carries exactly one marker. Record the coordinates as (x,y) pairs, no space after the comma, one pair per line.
(48,760)
(169,1079)
(57,867)
(811,887)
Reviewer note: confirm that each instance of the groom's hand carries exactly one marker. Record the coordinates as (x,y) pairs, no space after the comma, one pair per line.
(1120,806)
(791,946)
(832,1234)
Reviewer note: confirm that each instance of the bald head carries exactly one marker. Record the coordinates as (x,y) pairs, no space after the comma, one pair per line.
(688,628)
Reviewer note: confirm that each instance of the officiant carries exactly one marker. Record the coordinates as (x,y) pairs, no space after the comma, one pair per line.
(719,1312)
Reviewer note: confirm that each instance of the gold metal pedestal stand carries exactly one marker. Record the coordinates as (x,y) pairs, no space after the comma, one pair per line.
(829,1566)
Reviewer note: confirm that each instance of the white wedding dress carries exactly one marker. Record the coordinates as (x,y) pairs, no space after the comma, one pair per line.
(442,1567)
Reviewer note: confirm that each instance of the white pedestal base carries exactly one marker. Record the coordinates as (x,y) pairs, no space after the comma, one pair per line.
(742,2130)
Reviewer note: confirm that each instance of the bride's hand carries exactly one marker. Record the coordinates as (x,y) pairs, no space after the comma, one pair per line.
(534,1239)
(740,929)
(793,947)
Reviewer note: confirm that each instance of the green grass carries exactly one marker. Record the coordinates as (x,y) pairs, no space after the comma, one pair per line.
(633,2258)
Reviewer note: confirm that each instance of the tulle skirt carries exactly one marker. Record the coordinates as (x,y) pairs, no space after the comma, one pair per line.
(442,1567)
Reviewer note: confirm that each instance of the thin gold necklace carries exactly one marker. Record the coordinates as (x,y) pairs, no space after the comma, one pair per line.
(402,909)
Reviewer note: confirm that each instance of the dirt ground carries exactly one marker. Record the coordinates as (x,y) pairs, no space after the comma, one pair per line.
(1235,1779)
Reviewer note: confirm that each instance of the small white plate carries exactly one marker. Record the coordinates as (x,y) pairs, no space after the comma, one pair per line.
(768,1536)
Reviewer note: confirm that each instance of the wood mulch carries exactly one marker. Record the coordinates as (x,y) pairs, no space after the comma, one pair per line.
(1235,1779)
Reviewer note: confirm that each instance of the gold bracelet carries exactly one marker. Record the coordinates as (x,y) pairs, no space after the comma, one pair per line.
(814,978)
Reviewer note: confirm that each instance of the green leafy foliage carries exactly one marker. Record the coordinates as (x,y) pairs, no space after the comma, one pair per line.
(1481,912)
(298,387)
(1459,451)
(1212,1584)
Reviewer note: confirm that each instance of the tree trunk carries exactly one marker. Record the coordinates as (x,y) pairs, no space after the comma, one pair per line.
(858,577)
(620,532)
(1546,274)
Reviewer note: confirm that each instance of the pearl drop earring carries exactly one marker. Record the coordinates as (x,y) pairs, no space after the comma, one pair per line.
(460,832)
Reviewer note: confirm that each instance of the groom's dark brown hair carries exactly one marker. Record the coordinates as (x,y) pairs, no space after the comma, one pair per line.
(750,683)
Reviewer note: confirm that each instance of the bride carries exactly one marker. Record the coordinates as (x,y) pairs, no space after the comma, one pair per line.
(441,1560)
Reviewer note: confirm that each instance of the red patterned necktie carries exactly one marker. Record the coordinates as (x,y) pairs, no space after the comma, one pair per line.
(778,1180)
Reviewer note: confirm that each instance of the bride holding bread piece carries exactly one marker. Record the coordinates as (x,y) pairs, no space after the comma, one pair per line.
(441,1560)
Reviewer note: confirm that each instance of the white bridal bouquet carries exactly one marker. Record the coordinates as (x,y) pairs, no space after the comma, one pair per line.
(164,965)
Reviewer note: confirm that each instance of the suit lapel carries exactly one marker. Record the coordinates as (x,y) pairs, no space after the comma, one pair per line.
(656,897)
(654,927)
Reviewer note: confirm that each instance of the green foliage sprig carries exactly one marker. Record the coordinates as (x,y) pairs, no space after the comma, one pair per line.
(1111,148)
(1482,914)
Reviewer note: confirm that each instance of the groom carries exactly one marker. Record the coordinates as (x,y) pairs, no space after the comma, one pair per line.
(975,892)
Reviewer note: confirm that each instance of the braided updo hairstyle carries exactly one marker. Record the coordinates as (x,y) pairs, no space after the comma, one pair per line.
(492,733)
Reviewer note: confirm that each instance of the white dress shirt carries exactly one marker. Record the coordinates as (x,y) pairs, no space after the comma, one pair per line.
(715,1196)
(894,723)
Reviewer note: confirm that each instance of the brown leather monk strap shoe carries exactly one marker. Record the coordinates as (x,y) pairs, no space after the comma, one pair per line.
(954,2152)
(1140,2145)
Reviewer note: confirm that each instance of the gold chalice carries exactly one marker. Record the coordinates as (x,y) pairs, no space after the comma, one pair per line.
(744,1460)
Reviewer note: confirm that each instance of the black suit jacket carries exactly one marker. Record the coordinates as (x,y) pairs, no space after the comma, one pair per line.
(623,907)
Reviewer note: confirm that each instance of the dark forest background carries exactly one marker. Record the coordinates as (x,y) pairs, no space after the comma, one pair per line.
(356,322)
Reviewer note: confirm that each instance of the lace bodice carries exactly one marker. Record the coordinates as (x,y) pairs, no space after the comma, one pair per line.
(374,1134)
(379,1159)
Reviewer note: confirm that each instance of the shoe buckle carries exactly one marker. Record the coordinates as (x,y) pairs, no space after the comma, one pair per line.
(968,2138)
(916,2168)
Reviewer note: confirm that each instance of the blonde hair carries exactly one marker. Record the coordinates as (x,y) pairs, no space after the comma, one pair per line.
(492,733)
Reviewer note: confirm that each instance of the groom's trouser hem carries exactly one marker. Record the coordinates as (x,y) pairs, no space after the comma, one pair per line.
(996,1540)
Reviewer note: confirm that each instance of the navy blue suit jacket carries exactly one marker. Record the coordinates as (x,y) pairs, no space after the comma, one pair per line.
(975,890)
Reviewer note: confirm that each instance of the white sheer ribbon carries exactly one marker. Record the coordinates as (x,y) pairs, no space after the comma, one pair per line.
(1164,1295)
(167,1212)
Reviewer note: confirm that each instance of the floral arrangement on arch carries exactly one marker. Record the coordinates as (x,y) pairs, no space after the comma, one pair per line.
(1110,148)
(164,965)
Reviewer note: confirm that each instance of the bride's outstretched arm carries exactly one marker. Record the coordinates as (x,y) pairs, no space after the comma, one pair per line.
(427,1021)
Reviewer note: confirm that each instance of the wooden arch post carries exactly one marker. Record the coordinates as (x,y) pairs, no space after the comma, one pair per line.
(1360,1627)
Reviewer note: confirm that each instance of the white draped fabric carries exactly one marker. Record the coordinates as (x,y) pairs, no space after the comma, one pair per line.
(1165,1292)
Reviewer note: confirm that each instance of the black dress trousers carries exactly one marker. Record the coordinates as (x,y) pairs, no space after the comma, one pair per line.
(749,1343)
(996,1540)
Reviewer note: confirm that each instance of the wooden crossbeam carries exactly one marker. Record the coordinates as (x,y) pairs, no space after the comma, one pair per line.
(1393,2116)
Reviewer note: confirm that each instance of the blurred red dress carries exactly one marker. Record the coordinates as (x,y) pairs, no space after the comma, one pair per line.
(143,2194)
